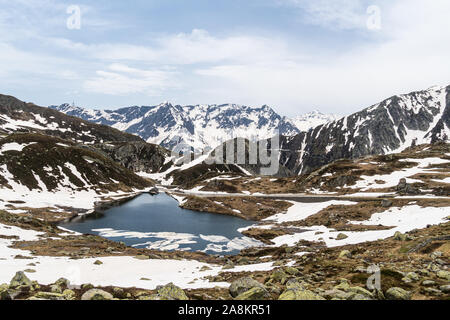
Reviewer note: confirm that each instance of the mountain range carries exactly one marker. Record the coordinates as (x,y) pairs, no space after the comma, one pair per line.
(388,127)
(200,127)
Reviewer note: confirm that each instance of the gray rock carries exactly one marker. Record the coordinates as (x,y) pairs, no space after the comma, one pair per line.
(169,292)
(243,285)
(445,288)
(398,294)
(256,293)
(20,280)
(96,294)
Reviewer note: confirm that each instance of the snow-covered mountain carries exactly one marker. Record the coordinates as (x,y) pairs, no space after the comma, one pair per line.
(313,119)
(388,127)
(200,126)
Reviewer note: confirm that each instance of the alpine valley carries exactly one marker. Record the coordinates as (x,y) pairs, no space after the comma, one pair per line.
(101,205)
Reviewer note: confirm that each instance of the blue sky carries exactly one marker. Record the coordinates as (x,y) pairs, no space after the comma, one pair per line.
(294,55)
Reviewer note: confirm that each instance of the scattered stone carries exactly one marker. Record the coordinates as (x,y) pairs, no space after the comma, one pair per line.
(205,268)
(98,262)
(4,293)
(69,294)
(299,293)
(386,203)
(361,291)
(49,296)
(169,292)
(54,288)
(20,280)
(428,283)
(401,237)
(87,286)
(443,275)
(405,188)
(412,277)
(345,254)
(398,294)
(30,271)
(96,294)
(243,285)
(445,288)
(436,254)
(119,293)
(142,257)
(433,291)
(291,271)
(279,276)
(341,236)
(256,293)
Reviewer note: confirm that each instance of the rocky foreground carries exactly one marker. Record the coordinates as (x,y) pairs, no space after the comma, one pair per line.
(410,266)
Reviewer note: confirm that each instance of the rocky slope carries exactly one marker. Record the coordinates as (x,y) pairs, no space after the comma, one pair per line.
(137,156)
(39,171)
(201,126)
(18,116)
(43,162)
(388,127)
(127,149)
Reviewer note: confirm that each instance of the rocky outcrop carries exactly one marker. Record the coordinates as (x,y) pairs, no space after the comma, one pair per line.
(137,156)
(50,164)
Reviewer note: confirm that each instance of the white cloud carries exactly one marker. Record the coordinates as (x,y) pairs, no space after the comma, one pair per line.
(123,80)
(410,52)
(335,14)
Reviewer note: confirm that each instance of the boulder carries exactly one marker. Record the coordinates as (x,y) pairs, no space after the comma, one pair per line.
(62,282)
(401,237)
(412,276)
(20,280)
(170,292)
(362,292)
(256,293)
(443,275)
(243,285)
(49,296)
(4,293)
(119,293)
(291,271)
(398,294)
(405,188)
(279,276)
(69,294)
(445,288)
(96,294)
(299,293)
(386,203)
(345,254)
(341,236)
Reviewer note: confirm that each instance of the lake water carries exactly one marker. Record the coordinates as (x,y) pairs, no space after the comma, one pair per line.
(157,222)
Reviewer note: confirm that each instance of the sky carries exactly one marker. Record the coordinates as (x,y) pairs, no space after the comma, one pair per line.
(335,56)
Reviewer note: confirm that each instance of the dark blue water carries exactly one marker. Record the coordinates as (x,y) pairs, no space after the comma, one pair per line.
(157,222)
